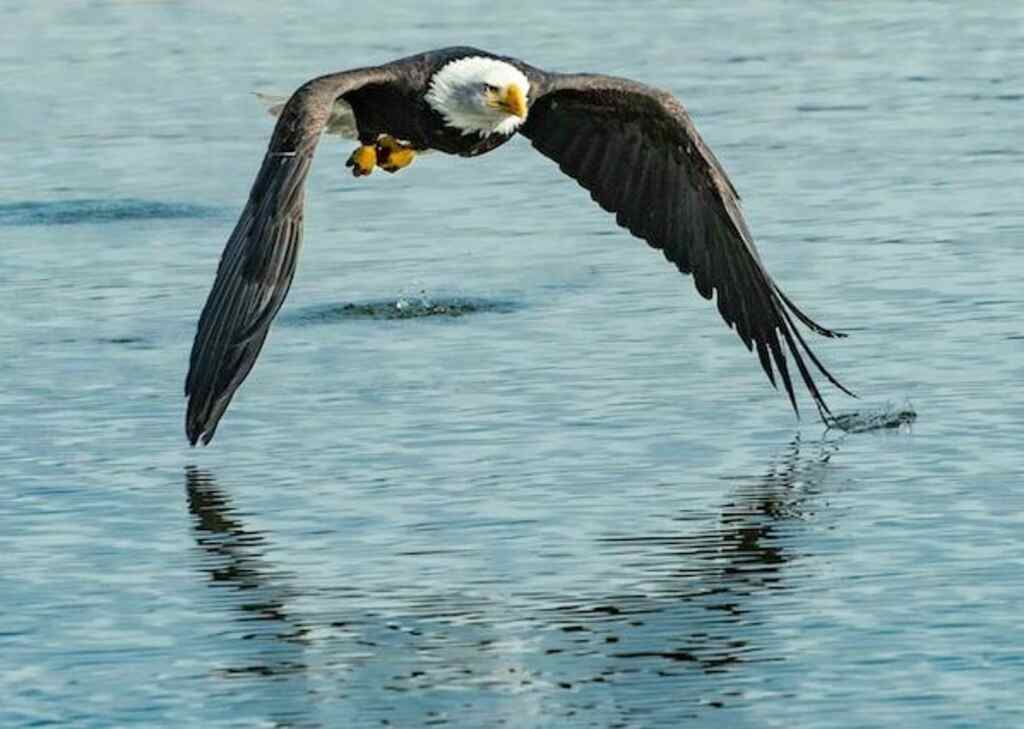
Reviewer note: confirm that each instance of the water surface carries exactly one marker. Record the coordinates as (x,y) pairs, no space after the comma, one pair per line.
(499,464)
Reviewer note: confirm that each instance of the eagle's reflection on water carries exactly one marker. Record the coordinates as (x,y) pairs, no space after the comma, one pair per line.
(232,556)
(693,614)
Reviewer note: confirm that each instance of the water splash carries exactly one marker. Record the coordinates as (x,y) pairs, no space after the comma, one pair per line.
(404,307)
(884,418)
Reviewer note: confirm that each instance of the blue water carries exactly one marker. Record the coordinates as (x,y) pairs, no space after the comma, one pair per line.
(499,464)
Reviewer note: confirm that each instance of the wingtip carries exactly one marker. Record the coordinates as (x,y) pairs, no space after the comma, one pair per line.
(199,435)
(200,439)
(808,321)
(196,432)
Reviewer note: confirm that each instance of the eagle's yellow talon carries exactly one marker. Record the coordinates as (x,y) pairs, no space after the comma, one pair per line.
(392,155)
(362,160)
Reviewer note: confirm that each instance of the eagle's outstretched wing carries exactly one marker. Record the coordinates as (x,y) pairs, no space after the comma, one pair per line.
(638,153)
(258,262)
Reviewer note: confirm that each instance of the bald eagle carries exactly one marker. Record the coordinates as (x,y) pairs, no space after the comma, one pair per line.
(633,147)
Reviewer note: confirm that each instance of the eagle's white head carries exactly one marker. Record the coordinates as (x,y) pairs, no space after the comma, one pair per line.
(482,95)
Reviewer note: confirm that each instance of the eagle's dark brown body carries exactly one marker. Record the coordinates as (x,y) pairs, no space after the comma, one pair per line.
(381,109)
(400,109)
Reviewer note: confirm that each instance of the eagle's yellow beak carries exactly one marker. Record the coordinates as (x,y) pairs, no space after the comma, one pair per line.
(512,100)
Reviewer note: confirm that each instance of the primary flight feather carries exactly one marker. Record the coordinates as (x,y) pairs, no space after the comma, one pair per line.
(633,147)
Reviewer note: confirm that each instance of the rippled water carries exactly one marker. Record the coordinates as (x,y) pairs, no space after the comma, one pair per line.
(498,463)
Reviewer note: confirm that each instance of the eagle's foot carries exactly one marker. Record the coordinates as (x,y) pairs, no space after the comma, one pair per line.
(392,155)
(362,160)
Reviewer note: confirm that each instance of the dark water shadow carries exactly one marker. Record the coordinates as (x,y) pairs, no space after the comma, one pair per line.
(412,307)
(699,614)
(129,341)
(826,108)
(232,556)
(98,210)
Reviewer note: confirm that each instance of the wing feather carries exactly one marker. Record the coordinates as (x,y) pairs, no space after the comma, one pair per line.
(258,264)
(638,153)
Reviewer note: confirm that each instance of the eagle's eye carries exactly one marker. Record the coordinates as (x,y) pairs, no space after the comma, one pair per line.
(491,88)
